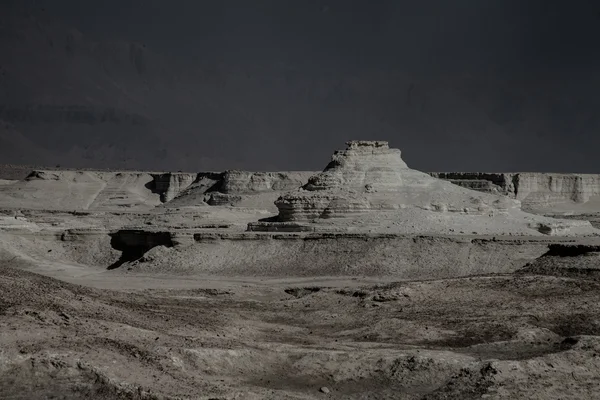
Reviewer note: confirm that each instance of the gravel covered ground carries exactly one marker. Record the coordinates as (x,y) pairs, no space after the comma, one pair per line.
(513,336)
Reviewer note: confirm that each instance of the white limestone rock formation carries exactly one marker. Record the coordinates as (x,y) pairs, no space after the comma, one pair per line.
(81,190)
(364,165)
(547,191)
(142,191)
(368,187)
(170,184)
(234,188)
(256,190)
(370,176)
(537,191)
(246,182)
(93,190)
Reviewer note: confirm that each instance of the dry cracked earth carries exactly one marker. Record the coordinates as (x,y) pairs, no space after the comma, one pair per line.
(534,334)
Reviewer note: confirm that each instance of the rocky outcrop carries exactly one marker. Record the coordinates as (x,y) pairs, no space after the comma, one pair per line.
(62,189)
(169,184)
(223,199)
(365,177)
(288,254)
(546,190)
(369,188)
(534,190)
(245,182)
(196,193)
(497,183)
(239,188)
(363,166)
(369,176)
(81,190)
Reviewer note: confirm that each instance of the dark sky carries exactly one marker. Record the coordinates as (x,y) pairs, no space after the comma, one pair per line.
(529,68)
(514,34)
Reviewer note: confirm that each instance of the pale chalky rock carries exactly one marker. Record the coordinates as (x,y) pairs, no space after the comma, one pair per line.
(170,184)
(369,176)
(246,182)
(369,188)
(362,163)
(540,191)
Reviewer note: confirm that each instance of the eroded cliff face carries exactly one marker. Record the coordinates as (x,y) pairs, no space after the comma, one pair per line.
(94,190)
(369,176)
(364,165)
(139,191)
(364,177)
(369,188)
(81,190)
(545,190)
(241,182)
(254,189)
(499,183)
(534,190)
(170,184)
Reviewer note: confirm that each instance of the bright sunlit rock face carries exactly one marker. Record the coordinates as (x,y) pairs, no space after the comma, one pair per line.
(369,165)
(369,176)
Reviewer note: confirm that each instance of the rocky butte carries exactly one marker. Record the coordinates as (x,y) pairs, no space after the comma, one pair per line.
(368,187)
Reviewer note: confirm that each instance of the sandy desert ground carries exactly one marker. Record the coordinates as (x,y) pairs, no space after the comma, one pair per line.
(108,292)
(534,334)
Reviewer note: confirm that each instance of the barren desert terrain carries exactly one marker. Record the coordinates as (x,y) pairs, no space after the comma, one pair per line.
(368,280)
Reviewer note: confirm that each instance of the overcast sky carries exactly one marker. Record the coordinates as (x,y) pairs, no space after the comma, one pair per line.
(551,34)
(535,60)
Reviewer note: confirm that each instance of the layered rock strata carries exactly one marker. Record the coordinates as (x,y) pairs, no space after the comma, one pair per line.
(533,189)
(369,176)
(246,182)
(368,187)
(140,191)
(239,189)
(169,184)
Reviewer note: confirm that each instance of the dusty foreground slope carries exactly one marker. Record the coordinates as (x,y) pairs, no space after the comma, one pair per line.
(513,336)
